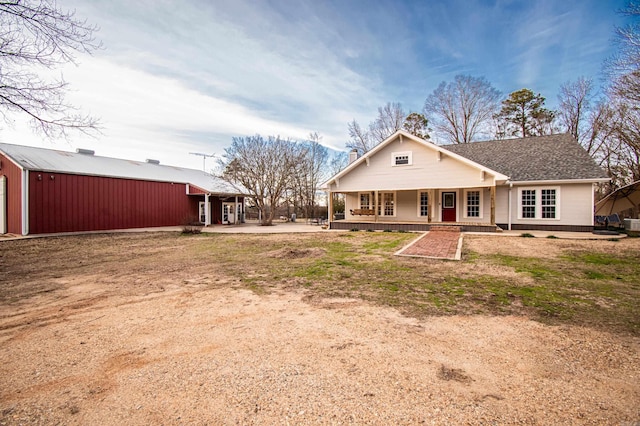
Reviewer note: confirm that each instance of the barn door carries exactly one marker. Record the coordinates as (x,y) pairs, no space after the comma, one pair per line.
(3,204)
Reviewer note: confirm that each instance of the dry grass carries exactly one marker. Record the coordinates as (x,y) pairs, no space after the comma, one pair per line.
(557,281)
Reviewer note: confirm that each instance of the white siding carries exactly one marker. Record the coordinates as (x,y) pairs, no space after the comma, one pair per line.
(575,205)
(407,202)
(428,170)
(502,204)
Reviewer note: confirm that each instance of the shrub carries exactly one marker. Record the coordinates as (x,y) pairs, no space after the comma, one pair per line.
(527,235)
(191,225)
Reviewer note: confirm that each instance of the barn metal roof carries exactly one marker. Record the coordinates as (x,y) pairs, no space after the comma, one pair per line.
(50,160)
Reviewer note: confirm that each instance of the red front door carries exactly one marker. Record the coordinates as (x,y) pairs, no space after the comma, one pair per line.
(448,206)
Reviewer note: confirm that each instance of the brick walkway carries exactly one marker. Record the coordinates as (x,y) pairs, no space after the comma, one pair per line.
(439,243)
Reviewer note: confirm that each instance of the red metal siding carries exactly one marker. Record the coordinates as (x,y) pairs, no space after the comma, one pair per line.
(66,203)
(14,195)
(216,210)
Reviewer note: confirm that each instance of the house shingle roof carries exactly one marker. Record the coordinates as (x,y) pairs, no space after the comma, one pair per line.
(553,157)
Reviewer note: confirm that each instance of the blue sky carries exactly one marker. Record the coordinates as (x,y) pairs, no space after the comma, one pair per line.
(179,77)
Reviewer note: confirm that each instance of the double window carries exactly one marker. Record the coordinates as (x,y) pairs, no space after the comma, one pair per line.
(539,203)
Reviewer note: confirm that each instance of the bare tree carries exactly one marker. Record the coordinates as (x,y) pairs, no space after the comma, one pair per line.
(626,147)
(598,129)
(628,39)
(391,118)
(360,139)
(309,173)
(627,86)
(461,110)
(614,137)
(574,106)
(614,133)
(261,168)
(338,162)
(37,34)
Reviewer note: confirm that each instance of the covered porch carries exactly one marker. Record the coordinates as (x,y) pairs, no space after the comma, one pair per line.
(212,209)
(467,209)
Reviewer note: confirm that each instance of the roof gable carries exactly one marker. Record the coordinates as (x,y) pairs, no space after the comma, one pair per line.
(41,159)
(540,158)
(400,134)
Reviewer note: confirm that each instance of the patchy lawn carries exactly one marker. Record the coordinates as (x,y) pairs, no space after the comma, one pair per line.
(595,283)
(317,329)
(585,282)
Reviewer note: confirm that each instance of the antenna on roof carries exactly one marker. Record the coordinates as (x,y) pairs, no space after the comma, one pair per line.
(204,159)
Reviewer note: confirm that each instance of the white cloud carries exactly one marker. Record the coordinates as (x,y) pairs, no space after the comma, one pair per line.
(179,78)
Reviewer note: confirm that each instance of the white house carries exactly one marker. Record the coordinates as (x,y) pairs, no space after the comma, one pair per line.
(544,183)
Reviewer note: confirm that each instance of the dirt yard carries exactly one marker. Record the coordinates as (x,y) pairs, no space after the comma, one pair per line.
(153,329)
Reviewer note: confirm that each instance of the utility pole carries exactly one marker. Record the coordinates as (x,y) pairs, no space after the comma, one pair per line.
(204,159)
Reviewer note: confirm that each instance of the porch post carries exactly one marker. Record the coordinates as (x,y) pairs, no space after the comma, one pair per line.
(375,205)
(24,200)
(509,215)
(3,204)
(235,219)
(493,204)
(330,208)
(207,210)
(432,204)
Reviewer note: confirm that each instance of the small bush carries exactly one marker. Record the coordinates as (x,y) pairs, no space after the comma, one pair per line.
(527,235)
(402,231)
(369,230)
(354,229)
(387,230)
(191,225)
(552,237)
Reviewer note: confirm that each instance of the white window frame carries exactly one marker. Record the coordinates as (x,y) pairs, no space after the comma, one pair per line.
(419,202)
(465,203)
(395,155)
(202,212)
(368,194)
(555,205)
(538,205)
(380,205)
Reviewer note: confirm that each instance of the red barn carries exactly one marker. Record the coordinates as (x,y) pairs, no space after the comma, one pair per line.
(48,191)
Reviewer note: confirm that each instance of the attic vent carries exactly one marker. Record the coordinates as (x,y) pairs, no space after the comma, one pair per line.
(151,161)
(85,151)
